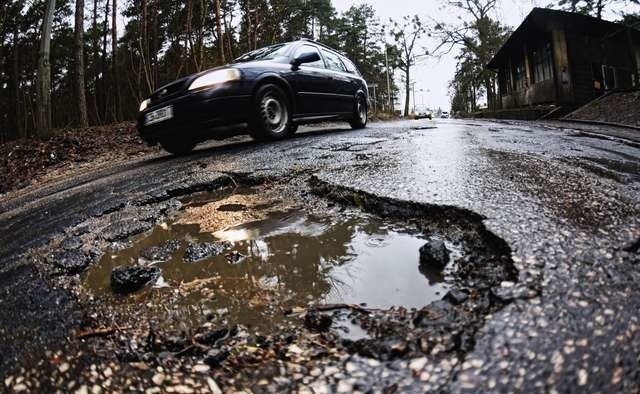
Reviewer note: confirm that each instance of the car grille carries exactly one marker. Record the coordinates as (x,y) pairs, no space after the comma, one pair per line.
(168,91)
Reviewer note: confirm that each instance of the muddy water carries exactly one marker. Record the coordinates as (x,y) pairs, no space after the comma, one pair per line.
(290,259)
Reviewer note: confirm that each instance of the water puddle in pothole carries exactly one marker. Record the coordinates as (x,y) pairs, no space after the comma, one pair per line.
(277,264)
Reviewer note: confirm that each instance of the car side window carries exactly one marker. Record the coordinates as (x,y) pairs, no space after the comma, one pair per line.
(333,61)
(351,68)
(309,48)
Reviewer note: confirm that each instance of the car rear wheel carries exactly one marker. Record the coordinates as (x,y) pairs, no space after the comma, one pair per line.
(178,147)
(271,117)
(360,118)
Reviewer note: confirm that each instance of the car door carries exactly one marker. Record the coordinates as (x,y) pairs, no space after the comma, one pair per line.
(340,83)
(356,82)
(310,84)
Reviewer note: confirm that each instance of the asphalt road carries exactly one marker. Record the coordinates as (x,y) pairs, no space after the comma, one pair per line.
(566,203)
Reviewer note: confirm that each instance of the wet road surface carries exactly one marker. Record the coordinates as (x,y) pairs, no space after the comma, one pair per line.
(567,205)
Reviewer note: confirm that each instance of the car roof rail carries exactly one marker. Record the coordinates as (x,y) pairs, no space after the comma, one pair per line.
(319,44)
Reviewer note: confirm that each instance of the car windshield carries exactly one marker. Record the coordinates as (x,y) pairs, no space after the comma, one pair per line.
(266,53)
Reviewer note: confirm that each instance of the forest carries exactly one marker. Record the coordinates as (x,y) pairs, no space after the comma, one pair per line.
(105,56)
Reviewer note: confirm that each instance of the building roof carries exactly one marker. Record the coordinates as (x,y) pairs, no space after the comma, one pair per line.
(539,18)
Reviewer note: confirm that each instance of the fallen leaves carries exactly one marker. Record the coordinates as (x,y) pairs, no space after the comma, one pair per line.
(25,160)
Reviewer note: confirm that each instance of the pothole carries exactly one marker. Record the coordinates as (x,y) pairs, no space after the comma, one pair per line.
(252,276)
(273,262)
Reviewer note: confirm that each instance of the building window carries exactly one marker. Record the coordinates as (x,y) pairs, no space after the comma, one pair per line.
(519,76)
(542,67)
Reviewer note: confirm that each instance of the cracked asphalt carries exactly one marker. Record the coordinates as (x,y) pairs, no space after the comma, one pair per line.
(566,203)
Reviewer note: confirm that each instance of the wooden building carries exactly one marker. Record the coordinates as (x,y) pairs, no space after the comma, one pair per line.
(565,59)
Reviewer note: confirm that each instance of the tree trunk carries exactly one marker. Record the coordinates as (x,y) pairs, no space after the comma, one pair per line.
(114,61)
(227,27)
(81,100)
(43,94)
(248,15)
(189,47)
(219,33)
(255,29)
(144,49)
(96,58)
(105,94)
(474,94)
(489,87)
(599,8)
(145,38)
(153,63)
(407,84)
(16,81)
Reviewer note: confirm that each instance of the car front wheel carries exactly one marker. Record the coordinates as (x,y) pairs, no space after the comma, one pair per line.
(271,118)
(359,120)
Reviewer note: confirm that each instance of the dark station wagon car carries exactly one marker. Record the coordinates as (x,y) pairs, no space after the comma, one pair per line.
(267,93)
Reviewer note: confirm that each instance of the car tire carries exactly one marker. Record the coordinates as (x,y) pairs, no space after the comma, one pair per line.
(360,116)
(178,147)
(271,118)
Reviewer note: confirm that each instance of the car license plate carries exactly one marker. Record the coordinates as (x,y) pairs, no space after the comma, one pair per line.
(159,115)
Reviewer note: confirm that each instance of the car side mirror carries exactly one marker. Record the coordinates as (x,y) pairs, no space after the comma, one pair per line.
(306,57)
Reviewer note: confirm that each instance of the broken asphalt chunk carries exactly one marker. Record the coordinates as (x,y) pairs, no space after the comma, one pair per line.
(124,229)
(318,322)
(71,261)
(434,254)
(161,253)
(201,251)
(456,296)
(127,279)
(215,357)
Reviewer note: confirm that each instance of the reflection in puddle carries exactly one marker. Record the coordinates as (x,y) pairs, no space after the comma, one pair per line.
(290,260)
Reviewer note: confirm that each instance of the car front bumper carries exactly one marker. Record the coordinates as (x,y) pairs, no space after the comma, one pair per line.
(195,114)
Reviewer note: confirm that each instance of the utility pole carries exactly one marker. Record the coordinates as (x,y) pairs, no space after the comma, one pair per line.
(386,61)
(413,89)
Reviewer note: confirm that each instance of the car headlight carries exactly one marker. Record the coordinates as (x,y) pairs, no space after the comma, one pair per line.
(144,105)
(214,78)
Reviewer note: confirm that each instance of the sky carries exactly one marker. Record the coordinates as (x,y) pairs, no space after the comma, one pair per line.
(432,75)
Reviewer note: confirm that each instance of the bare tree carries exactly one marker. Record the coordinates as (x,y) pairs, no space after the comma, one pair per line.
(479,34)
(81,100)
(406,35)
(43,94)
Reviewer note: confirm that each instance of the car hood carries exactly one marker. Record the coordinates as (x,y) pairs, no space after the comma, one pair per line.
(179,86)
(243,65)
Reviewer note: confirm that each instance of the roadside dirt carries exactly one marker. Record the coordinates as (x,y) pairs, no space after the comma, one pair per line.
(618,107)
(32,161)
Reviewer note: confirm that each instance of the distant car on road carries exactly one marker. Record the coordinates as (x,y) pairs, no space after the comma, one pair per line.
(271,90)
(423,113)
(444,115)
